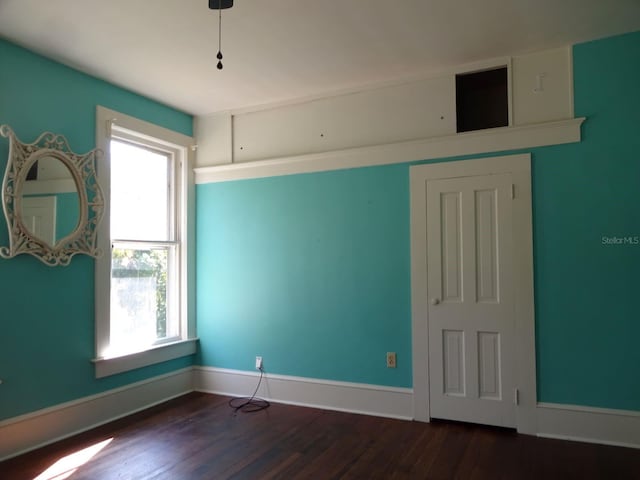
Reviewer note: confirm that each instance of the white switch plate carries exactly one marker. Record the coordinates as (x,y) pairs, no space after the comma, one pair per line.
(258,363)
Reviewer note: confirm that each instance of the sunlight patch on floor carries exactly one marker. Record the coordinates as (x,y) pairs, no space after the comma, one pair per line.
(67,465)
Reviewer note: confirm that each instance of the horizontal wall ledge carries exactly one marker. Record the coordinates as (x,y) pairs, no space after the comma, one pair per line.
(469,143)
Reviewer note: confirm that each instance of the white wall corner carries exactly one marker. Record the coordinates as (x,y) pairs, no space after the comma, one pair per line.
(381,401)
(588,424)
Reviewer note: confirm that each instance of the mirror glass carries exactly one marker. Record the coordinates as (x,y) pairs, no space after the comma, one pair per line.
(50,204)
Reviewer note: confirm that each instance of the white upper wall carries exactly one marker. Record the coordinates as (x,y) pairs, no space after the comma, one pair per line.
(541,91)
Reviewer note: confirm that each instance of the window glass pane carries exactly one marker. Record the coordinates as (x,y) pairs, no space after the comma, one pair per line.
(140,298)
(140,193)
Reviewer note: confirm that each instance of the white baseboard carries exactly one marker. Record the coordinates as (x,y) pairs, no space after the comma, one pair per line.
(359,398)
(28,432)
(588,424)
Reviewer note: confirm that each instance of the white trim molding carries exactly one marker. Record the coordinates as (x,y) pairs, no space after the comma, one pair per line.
(469,143)
(115,125)
(380,401)
(589,424)
(159,353)
(34,430)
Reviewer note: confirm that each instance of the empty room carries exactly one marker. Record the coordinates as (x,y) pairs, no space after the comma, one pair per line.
(298,239)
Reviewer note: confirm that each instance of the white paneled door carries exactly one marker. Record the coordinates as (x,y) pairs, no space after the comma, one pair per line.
(470,292)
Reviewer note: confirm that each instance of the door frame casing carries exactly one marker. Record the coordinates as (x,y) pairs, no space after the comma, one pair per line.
(519,166)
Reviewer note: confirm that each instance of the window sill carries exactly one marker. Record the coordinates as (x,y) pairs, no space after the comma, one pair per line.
(157,354)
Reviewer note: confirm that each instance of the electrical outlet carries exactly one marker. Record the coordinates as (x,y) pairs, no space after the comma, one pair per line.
(258,363)
(391,359)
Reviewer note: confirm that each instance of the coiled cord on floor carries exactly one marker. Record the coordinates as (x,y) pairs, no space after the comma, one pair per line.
(250,404)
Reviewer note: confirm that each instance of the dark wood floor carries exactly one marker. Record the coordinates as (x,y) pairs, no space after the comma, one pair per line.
(199,437)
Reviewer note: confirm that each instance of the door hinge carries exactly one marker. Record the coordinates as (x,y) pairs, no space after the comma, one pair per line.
(516,396)
(513,190)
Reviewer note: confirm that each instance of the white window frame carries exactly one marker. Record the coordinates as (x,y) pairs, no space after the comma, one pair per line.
(115,125)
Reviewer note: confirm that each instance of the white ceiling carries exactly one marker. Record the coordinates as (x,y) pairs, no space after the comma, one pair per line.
(277,51)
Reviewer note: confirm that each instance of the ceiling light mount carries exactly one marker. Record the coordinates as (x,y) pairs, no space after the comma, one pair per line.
(220,5)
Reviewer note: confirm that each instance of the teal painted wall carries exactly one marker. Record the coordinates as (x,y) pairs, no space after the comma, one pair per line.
(47,319)
(313,271)
(587,308)
(309,271)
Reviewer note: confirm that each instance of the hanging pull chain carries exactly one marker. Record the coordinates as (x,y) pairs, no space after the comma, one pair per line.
(219,55)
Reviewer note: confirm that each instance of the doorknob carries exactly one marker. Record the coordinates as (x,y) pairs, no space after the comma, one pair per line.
(435,301)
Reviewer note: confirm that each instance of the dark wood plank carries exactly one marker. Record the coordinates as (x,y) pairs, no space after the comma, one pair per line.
(199,437)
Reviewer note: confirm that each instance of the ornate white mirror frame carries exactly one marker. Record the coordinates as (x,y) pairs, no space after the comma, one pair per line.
(22,157)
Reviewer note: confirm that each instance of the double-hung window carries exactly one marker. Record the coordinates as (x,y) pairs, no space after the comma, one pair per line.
(144,247)
(142,311)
